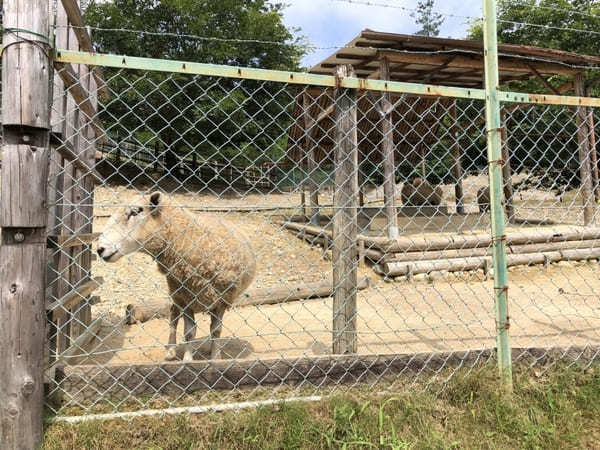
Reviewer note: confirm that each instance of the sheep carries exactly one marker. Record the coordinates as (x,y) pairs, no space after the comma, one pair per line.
(421,193)
(483,199)
(206,262)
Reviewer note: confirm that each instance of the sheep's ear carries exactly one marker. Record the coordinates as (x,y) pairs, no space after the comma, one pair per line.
(155,199)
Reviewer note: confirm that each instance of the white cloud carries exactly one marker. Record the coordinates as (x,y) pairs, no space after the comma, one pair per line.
(330,23)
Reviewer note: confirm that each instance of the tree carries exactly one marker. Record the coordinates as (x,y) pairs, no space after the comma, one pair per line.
(548,24)
(429,20)
(225,119)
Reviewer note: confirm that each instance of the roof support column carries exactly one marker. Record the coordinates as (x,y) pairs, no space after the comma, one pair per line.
(387,150)
(584,153)
(310,127)
(457,167)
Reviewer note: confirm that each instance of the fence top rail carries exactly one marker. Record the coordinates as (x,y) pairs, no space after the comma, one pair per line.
(174,66)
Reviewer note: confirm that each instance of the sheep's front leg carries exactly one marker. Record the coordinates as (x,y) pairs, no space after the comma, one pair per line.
(216,325)
(175,313)
(189,333)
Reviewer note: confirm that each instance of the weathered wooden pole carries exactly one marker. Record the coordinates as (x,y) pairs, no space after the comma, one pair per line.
(156,155)
(23,218)
(387,150)
(310,125)
(506,170)
(584,153)
(494,151)
(345,227)
(593,150)
(457,167)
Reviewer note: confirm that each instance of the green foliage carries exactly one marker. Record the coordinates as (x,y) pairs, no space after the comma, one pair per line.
(544,137)
(548,15)
(228,120)
(429,20)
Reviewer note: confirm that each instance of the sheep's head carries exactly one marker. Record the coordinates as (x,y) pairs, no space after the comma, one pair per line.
(130,228)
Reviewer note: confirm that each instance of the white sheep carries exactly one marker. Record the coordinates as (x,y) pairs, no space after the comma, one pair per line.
(207,263)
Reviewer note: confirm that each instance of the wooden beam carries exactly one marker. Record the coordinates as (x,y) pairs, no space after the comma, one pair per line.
(376,75)
(395,269)
(545,82)
(506,169)
(345,228)
(326,113)
(433,72)
(77,347)
(311,128)
(593,149)
(85,42)
(80,95)
(83,382)
(23,220)
(460,45)
(253,297)
(65,149)
(466,73)
(121,381)
(75,296)
(464,62)
(71,240)
(457,166)
(387,151)
(584,153)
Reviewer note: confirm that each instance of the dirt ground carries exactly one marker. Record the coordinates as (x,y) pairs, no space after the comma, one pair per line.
(555,306)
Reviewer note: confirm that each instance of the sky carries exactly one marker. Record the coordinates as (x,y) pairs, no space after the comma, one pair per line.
(331,23)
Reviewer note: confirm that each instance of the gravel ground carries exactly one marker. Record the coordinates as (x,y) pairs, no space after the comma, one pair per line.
(552,306)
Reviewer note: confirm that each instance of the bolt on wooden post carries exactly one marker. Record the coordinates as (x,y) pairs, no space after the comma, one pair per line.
(23,218)
(345,227)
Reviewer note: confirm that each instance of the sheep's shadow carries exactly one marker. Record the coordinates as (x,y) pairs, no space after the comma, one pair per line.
(231,348)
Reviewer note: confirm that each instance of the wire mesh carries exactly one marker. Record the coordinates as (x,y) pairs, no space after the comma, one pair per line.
(215,203)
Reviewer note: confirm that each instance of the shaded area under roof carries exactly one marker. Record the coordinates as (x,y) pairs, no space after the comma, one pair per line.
(450,62)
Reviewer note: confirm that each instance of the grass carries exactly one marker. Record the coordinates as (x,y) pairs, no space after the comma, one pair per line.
(557,409)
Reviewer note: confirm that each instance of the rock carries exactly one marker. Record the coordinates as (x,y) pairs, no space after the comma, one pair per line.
(420,277)
(564,264)
(421,193)
(438,275)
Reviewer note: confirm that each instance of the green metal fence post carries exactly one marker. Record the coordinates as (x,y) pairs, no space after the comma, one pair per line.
(494,146)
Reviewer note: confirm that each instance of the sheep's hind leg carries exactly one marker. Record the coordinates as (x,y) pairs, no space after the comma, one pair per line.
(216,325)
(175,313)
(189,334)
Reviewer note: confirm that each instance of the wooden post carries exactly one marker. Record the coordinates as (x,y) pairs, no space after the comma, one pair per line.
(345,228)
(387,150)
(506,170)
(59,176)
(457,167)
(156,155)
(310,126)
(593,152)
(584,153)
(23,218)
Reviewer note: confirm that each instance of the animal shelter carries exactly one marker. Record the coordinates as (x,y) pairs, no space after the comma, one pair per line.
(407,129)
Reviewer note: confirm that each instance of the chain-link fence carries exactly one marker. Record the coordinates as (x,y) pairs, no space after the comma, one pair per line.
(219,235)
(220,201)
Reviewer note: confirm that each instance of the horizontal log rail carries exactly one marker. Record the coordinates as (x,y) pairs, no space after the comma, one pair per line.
(85,42)
(71,240)
(75,296)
